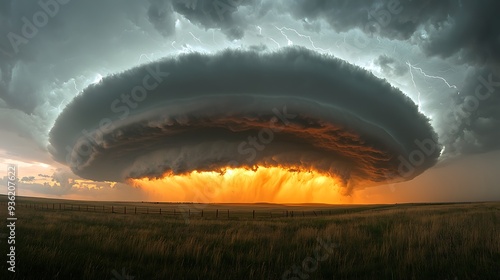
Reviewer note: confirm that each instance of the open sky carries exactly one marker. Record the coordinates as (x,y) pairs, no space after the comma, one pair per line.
(374,90)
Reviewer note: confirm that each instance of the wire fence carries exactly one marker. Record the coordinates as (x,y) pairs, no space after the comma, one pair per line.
(181,210)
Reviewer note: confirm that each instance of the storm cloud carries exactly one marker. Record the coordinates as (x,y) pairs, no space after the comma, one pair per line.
(441,54)
(292,108)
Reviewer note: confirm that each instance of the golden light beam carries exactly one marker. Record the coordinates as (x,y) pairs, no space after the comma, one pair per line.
(240,185)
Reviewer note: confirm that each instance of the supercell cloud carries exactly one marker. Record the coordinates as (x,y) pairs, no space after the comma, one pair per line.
(292,108)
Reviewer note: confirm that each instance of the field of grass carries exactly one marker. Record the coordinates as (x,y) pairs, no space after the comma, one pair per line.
(405,241)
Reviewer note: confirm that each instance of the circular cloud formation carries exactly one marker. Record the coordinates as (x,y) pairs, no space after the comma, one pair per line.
(293,108)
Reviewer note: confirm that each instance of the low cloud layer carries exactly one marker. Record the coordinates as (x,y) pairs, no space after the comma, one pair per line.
(293,108)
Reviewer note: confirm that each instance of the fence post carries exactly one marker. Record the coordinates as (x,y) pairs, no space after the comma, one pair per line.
(125,210)
(160,211)
(217,213)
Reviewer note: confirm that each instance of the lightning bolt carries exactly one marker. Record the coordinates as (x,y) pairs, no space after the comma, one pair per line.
(260,30)
(300,35)
(289,42)
(173,43)
(279,46)
(59,108)
(410,67)
(269,38)
(74,83)
(194,37)
(415,85)
(429,76)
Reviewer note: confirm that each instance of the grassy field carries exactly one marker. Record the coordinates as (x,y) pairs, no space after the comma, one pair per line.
(405,241)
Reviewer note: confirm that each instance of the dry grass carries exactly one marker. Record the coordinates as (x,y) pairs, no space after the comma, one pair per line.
(452,241)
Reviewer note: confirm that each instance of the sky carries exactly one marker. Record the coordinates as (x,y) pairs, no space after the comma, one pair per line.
(395,101)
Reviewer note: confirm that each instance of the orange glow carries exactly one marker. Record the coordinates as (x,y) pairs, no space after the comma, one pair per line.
(240,185)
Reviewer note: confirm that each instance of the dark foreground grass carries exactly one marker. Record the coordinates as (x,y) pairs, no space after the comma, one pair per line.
(454,241)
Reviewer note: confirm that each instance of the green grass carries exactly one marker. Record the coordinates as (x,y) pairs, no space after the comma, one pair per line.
(433,241)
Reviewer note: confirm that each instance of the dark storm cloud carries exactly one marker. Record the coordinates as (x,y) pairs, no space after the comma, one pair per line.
(244,108)
(464,32)
(395,19)
(472,32)
(224,14)
(469,29)
(474,120)
(160,13)
(49,41)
